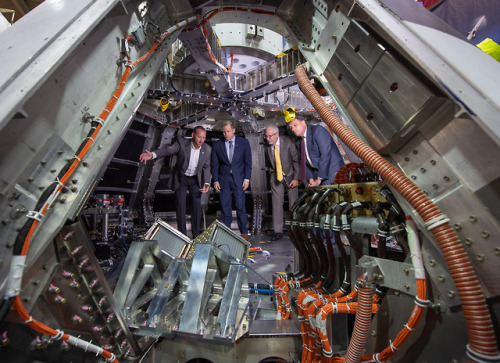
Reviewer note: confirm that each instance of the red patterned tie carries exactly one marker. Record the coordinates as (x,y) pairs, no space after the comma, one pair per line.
(303,159)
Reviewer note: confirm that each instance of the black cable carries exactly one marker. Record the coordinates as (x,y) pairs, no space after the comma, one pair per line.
(21,235)
(5,305)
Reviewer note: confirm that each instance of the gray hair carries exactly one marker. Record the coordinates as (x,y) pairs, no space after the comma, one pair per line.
(228,122)
(273,127)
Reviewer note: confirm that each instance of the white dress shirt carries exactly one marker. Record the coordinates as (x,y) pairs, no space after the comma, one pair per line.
(307,152)
(193,161)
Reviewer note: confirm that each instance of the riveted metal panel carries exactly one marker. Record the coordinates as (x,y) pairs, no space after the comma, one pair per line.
(354,59)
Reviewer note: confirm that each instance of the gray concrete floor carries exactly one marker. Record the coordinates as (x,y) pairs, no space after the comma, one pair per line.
(275,257)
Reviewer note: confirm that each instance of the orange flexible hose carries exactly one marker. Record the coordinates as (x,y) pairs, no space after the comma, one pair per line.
(341,308)
(361,325)
(481,334)
(18,306)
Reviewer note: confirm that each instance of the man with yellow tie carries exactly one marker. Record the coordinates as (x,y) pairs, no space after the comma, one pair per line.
(285,172)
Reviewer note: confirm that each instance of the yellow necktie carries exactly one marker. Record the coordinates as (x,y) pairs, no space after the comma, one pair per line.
(279,169)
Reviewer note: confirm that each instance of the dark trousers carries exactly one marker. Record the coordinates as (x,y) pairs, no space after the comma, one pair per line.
(226,191)
(189,183)
(278,200)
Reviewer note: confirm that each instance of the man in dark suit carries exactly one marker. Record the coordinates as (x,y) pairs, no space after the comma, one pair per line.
(231,170)
(285,173)
(319,155)
(193,174)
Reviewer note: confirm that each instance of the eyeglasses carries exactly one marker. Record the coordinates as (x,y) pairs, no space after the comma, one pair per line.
(269,136)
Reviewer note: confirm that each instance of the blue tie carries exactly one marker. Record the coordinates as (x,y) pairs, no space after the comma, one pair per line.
(231,151)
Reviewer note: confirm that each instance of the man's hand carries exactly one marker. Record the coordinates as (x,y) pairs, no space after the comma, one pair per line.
(217,186)
(314,183)
(293,184)
(145,156)
(205,188)
(246,183)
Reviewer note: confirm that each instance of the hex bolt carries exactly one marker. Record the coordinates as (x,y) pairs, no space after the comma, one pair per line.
(415,152)
(423,170)
(407,270)
(43,162)
(83,263)
(68,275)
(54,289)
(468,241)
(457,226)
(414,177)
(435,186)
(441,278)
(407,287)
(446,179)
(77,320)
(374,333)
(93,283)
(451,294)
(4,340)
(433,162)
(407,159)
(473,219)
(485,234)
(480,257)
(110,317)
(76,250)
(59,299)
(109,132)
(432,263)
(74,181)
(497,250)
(99,147)
(30,180)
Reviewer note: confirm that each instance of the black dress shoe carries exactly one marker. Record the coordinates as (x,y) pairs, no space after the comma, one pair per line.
(277,236)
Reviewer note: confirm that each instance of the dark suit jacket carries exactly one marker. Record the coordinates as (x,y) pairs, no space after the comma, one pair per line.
(324,154)
(290,159)
(241,166)
(182,148)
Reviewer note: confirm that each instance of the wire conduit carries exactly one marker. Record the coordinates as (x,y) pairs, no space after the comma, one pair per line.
(481,336)
(361,324)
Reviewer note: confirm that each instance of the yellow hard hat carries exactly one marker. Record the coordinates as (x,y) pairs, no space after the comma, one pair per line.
(289,114)
(164,102)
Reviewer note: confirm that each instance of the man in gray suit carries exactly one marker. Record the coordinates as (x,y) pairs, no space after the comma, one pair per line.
(193,174)
(284,158)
